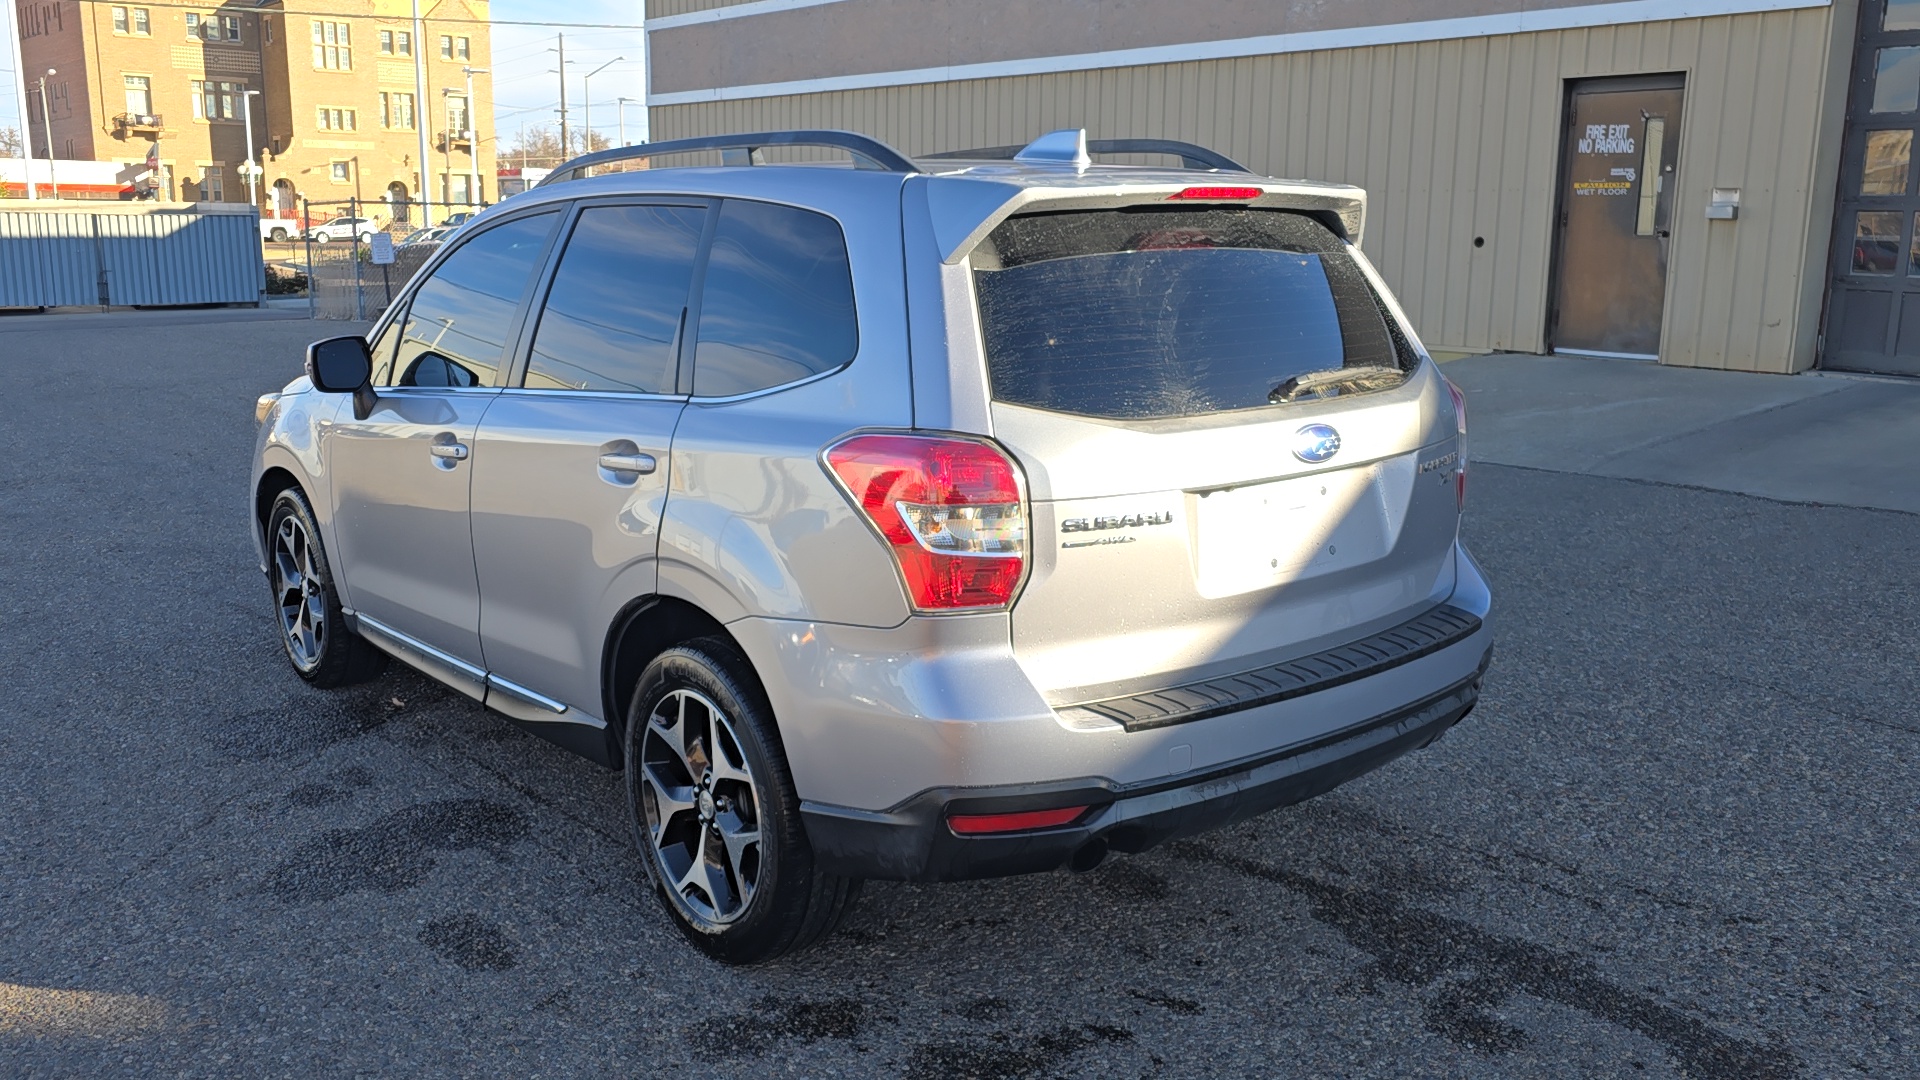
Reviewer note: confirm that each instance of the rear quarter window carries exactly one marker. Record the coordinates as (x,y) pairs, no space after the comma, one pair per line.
(777,302)
(1145,314)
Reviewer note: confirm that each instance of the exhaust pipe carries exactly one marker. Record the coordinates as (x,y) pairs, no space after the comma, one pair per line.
(1090,855)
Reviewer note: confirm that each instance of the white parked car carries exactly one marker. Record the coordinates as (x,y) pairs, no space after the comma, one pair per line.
(343,228)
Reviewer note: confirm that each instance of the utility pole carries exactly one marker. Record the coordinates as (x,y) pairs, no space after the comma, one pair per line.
(421,102)
(473,138)
(565,146)
(446,143)
(19,52)
(46,118)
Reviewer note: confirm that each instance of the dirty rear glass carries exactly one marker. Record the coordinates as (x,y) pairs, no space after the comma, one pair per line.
(1143,314)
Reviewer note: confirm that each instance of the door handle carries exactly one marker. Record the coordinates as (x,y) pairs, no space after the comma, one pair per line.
(633,463)
(451,451)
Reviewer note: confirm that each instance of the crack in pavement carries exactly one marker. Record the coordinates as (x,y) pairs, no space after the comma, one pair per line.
(1424,949)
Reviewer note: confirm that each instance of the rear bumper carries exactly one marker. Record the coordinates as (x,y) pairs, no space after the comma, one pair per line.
(912,842)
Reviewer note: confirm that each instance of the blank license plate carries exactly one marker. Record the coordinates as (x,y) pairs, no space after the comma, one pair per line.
(1264,535)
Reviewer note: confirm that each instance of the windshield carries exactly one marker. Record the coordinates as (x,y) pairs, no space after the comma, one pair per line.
(1155,314)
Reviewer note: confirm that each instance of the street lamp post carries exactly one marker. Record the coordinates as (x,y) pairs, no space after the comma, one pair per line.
(586,91)
(251,167)
(425,191)
(16,52)
(473,137)
(46,119)
(622,103)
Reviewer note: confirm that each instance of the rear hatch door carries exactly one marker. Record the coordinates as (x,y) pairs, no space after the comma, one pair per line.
(1235,457)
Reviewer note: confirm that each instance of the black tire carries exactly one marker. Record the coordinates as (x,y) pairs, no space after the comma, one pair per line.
(313,630)
(279,236)
(790,904)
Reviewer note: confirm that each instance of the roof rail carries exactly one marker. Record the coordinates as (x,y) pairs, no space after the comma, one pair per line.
(1191,156)
(868,153)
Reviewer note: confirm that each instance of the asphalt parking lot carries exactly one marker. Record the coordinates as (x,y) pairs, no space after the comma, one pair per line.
(1678,838)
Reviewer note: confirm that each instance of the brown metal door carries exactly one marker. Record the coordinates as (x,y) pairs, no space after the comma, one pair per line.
(1616,214)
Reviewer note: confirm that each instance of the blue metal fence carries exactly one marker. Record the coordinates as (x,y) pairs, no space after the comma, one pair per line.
(128,256)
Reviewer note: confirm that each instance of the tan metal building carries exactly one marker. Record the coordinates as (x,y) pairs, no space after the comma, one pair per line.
(338,110)
(1617,177)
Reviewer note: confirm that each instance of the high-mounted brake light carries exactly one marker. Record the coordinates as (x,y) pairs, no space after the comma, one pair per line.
(953,511)
(1025,821)
(1227,194)
(1460,424)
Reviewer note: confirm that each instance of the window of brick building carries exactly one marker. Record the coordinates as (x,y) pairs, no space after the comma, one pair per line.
(341,172)
(331,46)
(446,47)
(396,111)
(142,21)
(119,20)
(216,100)
(230,24)
(212,185)
(338,119)
(139,94)
(403,43)
(386,43)
(462,49)
(193,24)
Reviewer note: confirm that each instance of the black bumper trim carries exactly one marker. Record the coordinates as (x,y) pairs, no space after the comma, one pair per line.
(1417,637)
(913,843)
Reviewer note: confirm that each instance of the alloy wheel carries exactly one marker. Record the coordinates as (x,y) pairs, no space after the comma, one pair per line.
(702,809)
(299,594)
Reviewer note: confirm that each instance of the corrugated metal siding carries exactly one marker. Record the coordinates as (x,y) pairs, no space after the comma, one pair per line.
(47,260)
(1455,140)
(56,259)
(660,9)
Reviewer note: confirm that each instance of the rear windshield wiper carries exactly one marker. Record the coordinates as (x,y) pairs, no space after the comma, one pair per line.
(1323,380)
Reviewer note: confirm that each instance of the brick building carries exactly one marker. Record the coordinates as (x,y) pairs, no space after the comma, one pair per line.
(338,113)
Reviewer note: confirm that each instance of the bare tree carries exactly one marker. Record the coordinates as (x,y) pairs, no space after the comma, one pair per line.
(541,148)
(10,142)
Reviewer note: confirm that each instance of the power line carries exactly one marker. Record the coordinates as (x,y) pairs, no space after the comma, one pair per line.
(424,18)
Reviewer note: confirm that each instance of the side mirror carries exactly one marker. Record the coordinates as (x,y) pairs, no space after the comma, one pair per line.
(343,365)
(339,365)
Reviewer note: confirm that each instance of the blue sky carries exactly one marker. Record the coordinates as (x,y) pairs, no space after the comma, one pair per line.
(525,89)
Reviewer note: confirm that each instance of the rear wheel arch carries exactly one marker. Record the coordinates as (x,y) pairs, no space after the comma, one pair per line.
(643,630)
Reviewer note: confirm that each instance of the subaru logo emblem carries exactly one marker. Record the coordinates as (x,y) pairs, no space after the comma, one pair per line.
(1315,443)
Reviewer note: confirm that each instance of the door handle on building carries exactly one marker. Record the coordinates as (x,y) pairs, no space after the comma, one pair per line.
(633,463)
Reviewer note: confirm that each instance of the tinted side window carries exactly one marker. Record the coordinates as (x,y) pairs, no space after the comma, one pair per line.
(614,310)
(456,330)
(778,300)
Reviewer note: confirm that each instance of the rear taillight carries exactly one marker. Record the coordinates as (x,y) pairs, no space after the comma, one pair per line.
(1460,423)
(953,511)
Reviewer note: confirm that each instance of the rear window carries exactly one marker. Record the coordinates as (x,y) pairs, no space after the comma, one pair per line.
(1145,314)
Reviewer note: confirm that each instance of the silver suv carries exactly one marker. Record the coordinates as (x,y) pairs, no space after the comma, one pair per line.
(919,520)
